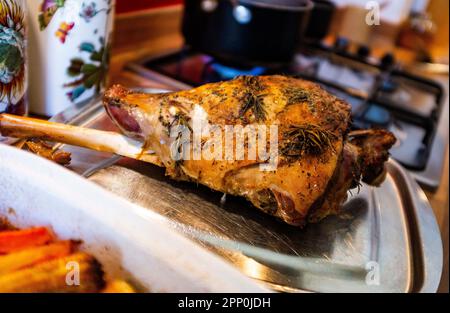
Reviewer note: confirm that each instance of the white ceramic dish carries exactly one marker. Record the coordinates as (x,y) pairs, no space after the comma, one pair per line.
(131,242)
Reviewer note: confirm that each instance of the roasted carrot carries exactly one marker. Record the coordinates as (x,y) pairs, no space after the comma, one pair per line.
(56,276)
(118,286)
(20,239)
(5,225)
(32,256)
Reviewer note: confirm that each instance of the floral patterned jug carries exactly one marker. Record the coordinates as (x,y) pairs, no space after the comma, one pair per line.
(13,70)
(68,52)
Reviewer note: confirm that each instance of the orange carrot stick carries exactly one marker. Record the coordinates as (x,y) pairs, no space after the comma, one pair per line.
(20,239)
(31,256)
(118,286)
(51,276)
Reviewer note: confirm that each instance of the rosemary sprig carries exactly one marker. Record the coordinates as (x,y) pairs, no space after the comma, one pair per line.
(180,119)
(252,97)
(252,82)
(295,95)
(310,139)
(254,102)
(359,186)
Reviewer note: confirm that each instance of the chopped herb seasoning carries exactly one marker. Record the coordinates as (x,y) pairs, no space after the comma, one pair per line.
(181,119)
(296,95)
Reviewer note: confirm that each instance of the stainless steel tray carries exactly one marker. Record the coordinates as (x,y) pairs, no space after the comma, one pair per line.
(386,239)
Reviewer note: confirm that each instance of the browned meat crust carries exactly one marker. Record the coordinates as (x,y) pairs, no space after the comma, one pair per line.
(316,157)
(46,151)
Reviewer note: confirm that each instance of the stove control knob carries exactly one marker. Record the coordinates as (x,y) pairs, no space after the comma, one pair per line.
(363,52)
(387,61)
(341,44)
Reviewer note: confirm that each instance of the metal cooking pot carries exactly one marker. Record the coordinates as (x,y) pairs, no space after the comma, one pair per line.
(246,31)
(320,19)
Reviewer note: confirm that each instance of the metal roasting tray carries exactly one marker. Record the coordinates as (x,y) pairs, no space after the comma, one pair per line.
(385,240)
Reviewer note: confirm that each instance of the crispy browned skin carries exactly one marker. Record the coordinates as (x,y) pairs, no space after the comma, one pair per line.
(44,150)
(312,131)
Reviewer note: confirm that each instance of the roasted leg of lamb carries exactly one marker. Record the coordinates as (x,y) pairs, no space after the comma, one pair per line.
(316,162)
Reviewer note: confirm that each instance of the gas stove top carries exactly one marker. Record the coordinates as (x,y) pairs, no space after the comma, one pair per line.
(381,95)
